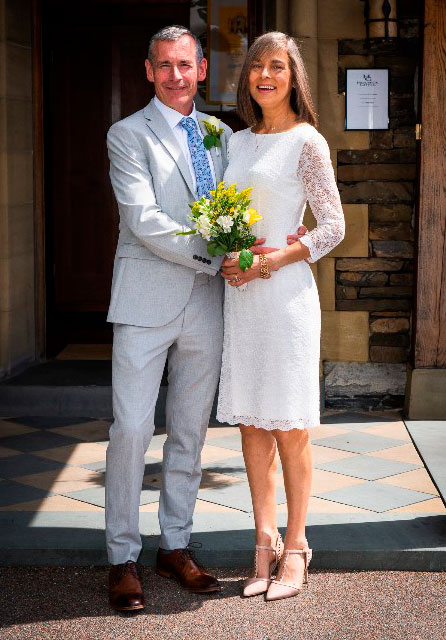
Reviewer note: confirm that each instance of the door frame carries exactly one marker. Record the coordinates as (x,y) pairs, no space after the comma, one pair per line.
(258,19)
(39,190)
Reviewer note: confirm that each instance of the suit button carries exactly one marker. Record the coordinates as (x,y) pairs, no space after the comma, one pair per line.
(208,261)
(195,257)
(200,259)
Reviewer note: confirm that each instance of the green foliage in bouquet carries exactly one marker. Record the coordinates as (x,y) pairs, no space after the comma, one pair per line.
(225,222)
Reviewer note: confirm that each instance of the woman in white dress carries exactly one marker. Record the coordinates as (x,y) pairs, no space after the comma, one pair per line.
(270,370)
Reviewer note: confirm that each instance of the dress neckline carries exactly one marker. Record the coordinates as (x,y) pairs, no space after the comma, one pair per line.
(279,133)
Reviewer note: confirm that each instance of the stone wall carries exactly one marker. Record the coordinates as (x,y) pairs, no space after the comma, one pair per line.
(365,284)
(383,177)
(16,187)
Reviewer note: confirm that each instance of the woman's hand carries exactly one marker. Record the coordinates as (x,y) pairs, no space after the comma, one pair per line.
(232,273)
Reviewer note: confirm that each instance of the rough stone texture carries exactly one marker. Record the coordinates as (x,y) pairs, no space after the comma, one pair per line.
(404,137)
(372,304)
(401,278)
(376,156)
(390,314)
(380,292)
(381,139)
(389,325)
(390,213)
(368,264)
(390,340)
(402,111)
(395,231)
(359,172)
(370,278)
(347,293)
(376,192)
(350,379)
(388,354)
(392,249)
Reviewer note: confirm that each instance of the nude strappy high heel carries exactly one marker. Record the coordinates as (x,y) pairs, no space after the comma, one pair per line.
(278,589)
(255,586)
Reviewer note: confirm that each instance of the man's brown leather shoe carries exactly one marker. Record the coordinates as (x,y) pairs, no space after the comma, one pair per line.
(125,588)
(181,565)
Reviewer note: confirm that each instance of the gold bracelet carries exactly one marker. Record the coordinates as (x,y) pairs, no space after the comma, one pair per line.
(264,271)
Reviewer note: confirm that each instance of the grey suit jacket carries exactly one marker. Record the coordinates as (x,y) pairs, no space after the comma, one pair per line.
(154,270)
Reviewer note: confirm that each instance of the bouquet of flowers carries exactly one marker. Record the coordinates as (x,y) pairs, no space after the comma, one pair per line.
(225,222)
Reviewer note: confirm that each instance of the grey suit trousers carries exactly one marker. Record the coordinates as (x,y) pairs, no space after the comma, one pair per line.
(192,342)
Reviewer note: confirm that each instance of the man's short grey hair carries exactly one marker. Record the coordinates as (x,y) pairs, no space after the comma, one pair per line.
(170,34)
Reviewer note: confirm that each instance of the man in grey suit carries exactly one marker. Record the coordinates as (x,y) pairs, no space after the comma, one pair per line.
(166,303)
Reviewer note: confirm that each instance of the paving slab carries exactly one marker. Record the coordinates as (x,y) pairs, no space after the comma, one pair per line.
(367,467)
(372,504)
(429,437)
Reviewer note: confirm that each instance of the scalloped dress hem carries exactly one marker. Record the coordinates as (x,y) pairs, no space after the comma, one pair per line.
(268,425)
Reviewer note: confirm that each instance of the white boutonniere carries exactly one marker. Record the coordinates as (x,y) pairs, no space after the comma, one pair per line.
(214,131)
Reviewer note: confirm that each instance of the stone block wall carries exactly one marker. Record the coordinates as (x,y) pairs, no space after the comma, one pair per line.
(17,339)
(383,177)
(366,283)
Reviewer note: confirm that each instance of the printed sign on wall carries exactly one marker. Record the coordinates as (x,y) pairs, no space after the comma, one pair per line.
(367,99)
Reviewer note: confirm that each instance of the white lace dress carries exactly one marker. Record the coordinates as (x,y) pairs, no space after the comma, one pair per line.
(270,366)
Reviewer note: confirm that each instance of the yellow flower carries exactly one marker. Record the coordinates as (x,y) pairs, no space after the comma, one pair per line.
(253,217)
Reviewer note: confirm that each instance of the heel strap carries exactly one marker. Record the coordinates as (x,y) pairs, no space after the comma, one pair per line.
(275,549)
(260,546)
(297,550)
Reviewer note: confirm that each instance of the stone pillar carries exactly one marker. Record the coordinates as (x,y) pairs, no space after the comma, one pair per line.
(16,187)
(426,385)
(302,21)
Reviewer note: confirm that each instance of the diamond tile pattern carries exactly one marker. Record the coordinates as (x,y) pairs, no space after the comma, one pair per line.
(367,467)
(363,463)
(374,496)
(358,442)
(26,464)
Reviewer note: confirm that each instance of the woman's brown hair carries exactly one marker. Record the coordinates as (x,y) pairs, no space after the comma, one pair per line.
(300,99)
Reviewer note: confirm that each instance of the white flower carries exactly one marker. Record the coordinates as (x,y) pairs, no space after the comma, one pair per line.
(204,226)
(225,223)
(214,122)
(246,216)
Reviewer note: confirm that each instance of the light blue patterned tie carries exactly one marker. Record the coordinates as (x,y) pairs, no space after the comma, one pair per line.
(200,161)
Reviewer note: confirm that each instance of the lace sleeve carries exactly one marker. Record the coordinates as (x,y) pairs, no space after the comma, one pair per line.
(317,175)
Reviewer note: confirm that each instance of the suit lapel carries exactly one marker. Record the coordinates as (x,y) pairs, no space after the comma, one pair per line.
(216,159)
(163,132)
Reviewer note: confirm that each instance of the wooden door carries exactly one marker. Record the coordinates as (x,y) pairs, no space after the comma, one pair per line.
(94,75)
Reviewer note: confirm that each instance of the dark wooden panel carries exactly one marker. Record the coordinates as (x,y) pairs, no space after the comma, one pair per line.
(430,318)
(94,75)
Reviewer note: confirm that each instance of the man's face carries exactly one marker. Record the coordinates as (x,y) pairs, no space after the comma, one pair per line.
(176,72)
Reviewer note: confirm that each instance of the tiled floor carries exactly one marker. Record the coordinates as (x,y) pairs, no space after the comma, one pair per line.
(363,463)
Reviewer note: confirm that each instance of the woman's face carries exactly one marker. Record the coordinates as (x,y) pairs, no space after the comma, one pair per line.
(270,80)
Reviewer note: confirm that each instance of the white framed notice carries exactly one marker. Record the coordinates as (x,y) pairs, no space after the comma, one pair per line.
(366,99)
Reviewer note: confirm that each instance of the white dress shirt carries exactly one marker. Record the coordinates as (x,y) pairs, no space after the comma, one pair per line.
(173,119)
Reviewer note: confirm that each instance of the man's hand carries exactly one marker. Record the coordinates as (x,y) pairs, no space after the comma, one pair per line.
(257,249)
(295,237)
